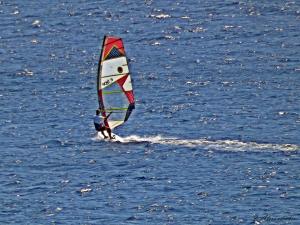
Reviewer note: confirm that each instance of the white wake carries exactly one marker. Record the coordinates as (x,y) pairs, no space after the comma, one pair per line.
(229,145)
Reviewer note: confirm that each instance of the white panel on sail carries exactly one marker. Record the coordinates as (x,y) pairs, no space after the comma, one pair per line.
(114,123)
(127,86)
(112,70)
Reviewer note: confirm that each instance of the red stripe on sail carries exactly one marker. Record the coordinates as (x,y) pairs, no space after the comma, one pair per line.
(111,42)
(129,94)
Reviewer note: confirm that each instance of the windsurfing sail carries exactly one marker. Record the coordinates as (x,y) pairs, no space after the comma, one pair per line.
(115,93)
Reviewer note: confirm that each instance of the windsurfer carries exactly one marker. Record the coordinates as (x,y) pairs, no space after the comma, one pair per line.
(101,126)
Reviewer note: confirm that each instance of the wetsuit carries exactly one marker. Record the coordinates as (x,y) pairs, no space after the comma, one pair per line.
(99,126)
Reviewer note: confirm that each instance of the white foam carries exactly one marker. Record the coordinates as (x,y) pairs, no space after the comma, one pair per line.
(227,145)
(223,145)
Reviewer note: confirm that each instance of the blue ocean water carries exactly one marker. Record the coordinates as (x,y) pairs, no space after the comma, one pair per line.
(215,135)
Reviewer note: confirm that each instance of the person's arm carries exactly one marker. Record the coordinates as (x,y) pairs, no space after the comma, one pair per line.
(108,115)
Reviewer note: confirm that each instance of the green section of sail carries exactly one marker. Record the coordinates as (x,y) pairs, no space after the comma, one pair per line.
(116,109)
(111,92)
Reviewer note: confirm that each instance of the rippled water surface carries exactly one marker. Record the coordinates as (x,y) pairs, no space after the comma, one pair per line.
(215,135)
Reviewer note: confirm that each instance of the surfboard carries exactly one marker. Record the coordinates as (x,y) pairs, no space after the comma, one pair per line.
(116,138)
(114,83)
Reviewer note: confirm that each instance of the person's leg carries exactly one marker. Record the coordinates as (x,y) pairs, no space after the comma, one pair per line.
(109,133)
(102,132)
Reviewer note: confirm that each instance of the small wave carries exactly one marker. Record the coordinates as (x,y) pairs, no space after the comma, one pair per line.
(36,23)
(160,16)
(25,72)
(224,145)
